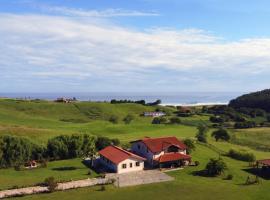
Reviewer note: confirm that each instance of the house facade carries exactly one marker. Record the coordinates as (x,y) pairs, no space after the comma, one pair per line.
(161,152)
(154,114)
(120,161)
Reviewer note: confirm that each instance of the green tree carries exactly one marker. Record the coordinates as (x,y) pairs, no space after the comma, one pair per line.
(215,167)
(128,119)
(190,145)
(221,134)
(202,133)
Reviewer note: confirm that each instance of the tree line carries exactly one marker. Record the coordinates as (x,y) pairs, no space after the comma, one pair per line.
(16,151)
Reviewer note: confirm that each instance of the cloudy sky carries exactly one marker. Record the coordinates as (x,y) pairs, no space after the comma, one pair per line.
(130,46)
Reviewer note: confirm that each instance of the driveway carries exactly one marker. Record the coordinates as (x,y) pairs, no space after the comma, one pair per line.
(139,178)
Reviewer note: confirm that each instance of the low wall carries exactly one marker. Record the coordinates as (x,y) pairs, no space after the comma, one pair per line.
(60,186)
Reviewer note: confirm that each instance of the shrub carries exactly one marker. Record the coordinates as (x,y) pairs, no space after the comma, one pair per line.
(51,184)
(202,133)
(18,167)
(197,163)
(175,120)
(190,145)
(221,134)
(102,188)
(159,120)
(128,119)
(215,167)
(229,177)
(244,156)
(114,119)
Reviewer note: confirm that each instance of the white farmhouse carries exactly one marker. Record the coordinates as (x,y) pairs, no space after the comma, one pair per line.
(162,152)
(120,161)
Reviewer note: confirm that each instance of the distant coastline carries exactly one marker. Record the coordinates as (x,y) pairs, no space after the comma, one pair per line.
(167,98)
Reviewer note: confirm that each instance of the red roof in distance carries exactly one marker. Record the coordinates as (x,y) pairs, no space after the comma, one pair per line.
(117,154)
(159,144)
(264,162)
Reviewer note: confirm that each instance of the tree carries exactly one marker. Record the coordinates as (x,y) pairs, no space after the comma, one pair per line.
(128,119)
(202,133)
(89,147)
(190,145)
(103,142)
(114,119)
(175,120)
(221,134)
(215,167)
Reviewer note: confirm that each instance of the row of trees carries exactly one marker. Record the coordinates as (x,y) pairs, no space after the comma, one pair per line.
(15,151)
(220,134)
(142,102)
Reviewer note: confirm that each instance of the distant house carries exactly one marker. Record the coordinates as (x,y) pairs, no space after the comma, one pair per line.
(31,164)
(162,152)
(64,100)
(120,161)
(154,114)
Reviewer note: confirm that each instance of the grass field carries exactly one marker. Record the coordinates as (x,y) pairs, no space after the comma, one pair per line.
(186,186)
(42,120)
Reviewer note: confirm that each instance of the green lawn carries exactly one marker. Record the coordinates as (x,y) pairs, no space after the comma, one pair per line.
(64,170)
(186,186)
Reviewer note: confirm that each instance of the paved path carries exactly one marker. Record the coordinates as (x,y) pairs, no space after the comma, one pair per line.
(139,178)
(61,186)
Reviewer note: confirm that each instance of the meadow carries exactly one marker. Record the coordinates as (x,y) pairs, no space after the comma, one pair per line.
(41,120)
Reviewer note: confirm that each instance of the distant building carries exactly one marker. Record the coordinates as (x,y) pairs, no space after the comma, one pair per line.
(154,114)
(120,161)
(64,100)
(162,152)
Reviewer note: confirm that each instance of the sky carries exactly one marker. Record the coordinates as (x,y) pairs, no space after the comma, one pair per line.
(134,46)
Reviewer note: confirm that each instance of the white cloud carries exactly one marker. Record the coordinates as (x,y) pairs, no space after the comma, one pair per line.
(97,13)
(57,47)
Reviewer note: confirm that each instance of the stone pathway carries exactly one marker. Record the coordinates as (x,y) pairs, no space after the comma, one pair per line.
(61,186)
(139,178)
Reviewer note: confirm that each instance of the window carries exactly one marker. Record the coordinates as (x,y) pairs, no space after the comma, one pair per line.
(124,166)
(147,150)
(137,164)
(130,165)
(139,146)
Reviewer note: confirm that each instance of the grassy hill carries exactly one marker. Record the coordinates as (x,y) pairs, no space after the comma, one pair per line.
(41,120)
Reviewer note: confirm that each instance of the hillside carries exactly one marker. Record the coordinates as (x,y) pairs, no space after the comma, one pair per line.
(255,100)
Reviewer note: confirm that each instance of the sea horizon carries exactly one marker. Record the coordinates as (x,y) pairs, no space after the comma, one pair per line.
(167,98)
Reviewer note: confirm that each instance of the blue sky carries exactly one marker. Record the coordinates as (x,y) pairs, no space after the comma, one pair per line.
(139,45)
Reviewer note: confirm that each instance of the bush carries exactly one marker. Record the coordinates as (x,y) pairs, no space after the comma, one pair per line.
(197,163)
(159,120)
(229,177)
(128,119)
(18,167)
(114,119)
(244,156)
(51,184)
(221,134)
(202,133)
(175,120)
(215,167)
(246,124)
(190,145)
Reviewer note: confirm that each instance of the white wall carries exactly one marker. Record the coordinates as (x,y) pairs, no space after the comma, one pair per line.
(130,168)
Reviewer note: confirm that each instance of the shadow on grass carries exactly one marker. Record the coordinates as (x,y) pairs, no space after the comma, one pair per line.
(64,168)
(265,174)
(202,173)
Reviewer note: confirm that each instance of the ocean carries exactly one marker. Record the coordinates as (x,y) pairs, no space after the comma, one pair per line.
(167,98)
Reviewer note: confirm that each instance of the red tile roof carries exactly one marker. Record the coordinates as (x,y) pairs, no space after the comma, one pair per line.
(117,154)
(264,162)
(159,144)
(172,157)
